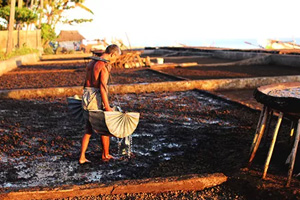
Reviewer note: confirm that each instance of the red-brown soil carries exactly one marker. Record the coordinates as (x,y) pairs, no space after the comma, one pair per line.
(66,74)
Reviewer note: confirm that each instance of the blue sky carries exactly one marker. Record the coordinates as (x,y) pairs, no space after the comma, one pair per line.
(169,22)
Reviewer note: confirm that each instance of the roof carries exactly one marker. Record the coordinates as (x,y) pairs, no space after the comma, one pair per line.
(69,36)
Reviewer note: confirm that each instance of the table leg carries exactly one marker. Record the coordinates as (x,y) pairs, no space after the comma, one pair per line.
(257,137)
(268,127)
(272,145)
(257,128)
(294,152)
(293,125)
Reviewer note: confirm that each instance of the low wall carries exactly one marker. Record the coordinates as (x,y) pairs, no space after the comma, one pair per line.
(288,60)
(65,56)
(208,85)
(252,58)
(236,55)
(30,39)
(13,63)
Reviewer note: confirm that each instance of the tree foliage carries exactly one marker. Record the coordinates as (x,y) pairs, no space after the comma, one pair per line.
(50,14)
(55,8)
(25,15)
(22,15)
(48,34)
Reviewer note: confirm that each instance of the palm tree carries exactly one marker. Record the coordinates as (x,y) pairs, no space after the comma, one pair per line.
(11,27)
(20,3)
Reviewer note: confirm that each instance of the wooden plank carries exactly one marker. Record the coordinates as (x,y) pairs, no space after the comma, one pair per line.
(151,185)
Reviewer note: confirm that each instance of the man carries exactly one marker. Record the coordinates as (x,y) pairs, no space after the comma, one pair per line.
(95,97)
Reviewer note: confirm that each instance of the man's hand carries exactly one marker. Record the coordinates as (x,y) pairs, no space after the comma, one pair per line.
(109,109)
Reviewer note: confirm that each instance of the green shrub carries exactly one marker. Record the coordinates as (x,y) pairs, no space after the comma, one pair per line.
(48,34)
(18,52)
(48,51)
(58,50)
(71,51)
(2,55)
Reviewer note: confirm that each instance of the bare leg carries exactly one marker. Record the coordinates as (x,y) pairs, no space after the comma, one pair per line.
(105,144)
(84,145)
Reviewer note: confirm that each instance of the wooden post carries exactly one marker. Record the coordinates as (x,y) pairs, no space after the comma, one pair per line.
(272,145)
(259,136)
(140,60)
(147,61)
(293,157)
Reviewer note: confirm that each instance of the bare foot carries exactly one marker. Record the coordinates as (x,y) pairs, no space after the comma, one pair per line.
(82,161)
(107,158)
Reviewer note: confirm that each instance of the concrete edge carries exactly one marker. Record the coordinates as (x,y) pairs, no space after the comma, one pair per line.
(13,63)
(257,60)
(171,86)
(65,56)
(150,185)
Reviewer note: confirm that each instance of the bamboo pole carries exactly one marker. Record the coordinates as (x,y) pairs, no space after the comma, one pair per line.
(272,145)
(293,157)
(259,136)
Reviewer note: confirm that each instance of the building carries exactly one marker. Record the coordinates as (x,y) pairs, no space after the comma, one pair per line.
(70,40)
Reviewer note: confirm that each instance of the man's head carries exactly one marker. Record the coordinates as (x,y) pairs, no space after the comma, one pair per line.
(113,51)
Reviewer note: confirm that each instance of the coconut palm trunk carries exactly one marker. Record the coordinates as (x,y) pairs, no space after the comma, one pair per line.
(20,3)
(9,46)
(42,13)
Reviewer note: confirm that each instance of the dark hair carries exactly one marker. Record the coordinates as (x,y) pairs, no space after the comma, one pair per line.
(113,48)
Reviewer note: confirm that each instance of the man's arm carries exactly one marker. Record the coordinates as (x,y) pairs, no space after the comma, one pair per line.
(103,88)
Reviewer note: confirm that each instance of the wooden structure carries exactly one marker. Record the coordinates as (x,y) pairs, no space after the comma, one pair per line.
(70,40)
(284,104)
(129,59)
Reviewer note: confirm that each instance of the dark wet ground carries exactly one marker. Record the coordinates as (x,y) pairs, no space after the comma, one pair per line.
(40,147)
(179,133)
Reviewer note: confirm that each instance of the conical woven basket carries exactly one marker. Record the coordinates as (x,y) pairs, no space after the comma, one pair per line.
(121,124)
(75,108)
(115,123)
